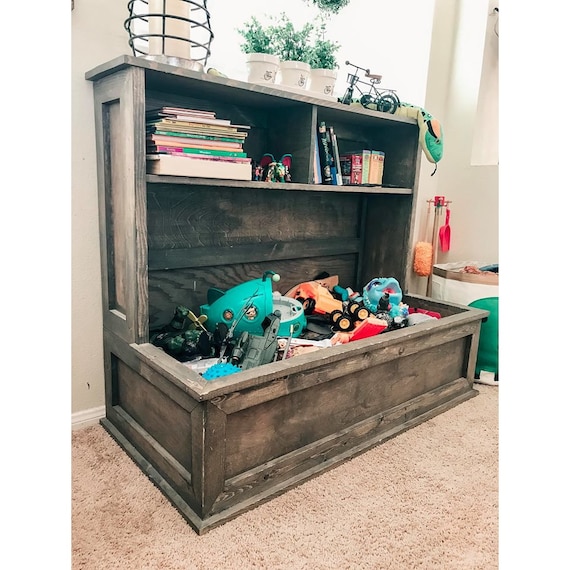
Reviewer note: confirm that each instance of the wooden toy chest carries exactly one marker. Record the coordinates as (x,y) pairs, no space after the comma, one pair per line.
(216,449)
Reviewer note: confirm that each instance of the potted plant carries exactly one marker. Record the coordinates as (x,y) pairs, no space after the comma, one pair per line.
(330,6)
(262,63)
(294,50)
(323,65)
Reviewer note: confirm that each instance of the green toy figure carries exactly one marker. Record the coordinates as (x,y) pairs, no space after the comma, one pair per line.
(431,132)
(276,171)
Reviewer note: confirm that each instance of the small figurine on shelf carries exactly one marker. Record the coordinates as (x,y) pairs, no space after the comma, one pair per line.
(256,171)
(275,171)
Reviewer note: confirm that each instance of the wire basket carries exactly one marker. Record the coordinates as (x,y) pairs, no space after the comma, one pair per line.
(170,31)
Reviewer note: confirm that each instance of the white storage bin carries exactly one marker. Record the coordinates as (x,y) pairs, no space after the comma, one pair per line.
(450,284)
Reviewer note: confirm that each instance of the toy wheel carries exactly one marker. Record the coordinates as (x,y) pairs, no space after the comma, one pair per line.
(388,103)
(368,101)
(344,324)
(352,308)
(335,316)
(358,312)
(308,305)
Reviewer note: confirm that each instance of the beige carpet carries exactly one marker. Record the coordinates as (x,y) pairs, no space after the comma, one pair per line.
(425,499)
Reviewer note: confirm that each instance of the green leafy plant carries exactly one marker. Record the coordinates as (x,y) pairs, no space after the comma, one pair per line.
(289,43)
(257,38)
(331,6)
(323,54)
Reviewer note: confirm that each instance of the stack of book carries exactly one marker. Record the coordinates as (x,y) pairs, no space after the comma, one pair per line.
(362,167)
(192,142)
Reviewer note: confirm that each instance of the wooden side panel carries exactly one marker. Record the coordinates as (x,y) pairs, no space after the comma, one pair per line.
(147,405)
(157,426)
(119,122)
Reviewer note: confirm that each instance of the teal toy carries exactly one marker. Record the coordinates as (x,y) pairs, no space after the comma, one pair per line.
(373,293)
(431,131)
(219,370)
(244,307)
(488,350)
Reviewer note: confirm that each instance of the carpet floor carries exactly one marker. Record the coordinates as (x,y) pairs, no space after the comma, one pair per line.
(427,499)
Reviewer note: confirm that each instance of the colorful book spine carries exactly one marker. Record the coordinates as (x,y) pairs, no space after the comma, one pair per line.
(366,153)
(317,174)
(193,143)
(376,167)
(351,168)
(174,152)
(199,127)
(336,156)
(168,148)
(196,136)
(325,153)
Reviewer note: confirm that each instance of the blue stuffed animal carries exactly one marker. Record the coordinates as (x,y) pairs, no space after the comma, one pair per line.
(374,292)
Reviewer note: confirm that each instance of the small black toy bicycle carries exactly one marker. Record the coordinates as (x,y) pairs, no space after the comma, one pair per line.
(384,100)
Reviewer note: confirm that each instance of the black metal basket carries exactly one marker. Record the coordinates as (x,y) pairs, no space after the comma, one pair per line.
(172,31)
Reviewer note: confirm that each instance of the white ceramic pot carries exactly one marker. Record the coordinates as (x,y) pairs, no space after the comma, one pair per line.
(294,74)
(261,67)
(323,81)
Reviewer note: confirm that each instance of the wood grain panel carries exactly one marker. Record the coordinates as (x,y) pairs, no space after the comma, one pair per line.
(386,237)
(266,431)
(206,217)
(327,452)
(155,413)
(189,287)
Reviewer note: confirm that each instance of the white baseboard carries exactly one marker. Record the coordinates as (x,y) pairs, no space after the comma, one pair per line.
(87,418)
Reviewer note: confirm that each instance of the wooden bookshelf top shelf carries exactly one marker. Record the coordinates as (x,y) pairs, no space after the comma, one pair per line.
(272,186)
(170,78)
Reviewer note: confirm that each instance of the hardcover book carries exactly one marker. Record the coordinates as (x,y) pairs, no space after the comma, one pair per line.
(237,138)
(376,167)
(317,174)
(197,167)
(324,153)
(366,153)
(197,151)
(351,168)
(336,156)
(194,143)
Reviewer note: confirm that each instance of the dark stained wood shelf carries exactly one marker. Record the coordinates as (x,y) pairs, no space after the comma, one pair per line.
(272,186)
(218,448)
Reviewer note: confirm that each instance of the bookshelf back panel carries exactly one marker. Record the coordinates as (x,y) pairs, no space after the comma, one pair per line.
(201,237)
(189,286)
(398,141)
(386,237)
(279,130)
(202,216)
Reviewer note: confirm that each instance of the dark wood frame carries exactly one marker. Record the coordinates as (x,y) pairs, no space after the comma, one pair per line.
(218,448)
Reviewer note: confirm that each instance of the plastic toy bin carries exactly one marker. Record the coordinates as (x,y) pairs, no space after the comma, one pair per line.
(449,283)
(481,291)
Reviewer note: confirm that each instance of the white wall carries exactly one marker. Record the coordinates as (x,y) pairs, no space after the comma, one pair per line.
(454,76)
(391,38)
(97,36)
